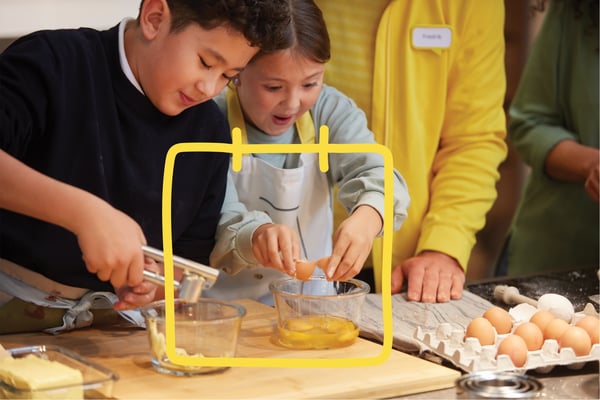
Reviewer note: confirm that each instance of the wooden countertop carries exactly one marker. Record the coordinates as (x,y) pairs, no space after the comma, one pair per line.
(125,350)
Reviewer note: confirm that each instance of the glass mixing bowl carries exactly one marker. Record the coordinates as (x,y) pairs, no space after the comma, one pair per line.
(206,328)
(318,314)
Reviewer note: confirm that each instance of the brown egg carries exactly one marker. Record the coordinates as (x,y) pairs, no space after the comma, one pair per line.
(532,334)
(515,347)
(542,318)
(577,339)
(591,325)
(481,329)
(304,269)
(555,329)
(499,318)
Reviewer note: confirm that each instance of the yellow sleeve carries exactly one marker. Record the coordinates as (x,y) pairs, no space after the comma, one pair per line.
(440,112)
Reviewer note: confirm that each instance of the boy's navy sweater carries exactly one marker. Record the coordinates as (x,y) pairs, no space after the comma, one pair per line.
(68,110)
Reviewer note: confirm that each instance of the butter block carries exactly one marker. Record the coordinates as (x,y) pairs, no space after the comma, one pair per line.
(32,377)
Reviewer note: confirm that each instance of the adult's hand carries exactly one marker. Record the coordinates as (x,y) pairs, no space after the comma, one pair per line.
(432,277)
(592,183)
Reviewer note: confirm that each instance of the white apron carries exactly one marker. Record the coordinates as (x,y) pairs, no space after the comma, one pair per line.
(297,197)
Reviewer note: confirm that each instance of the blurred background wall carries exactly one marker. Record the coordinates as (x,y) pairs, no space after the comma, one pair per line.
(521,26)
(18,17)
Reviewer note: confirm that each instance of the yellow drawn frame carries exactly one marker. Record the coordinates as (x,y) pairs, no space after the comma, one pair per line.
(237,149)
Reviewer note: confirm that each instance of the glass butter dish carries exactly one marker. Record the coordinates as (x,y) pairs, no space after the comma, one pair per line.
(95,382)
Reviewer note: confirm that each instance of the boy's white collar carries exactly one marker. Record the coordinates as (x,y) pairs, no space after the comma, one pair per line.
(123,57)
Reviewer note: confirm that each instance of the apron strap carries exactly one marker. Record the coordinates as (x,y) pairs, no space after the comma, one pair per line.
(78,314)
(304,125)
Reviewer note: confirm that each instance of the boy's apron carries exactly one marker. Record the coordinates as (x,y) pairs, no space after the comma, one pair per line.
(298,197)
(31,302)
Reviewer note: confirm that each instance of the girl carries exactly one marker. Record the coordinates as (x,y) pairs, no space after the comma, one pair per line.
(280,98)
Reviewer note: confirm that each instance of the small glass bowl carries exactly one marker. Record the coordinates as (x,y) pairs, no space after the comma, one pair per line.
(206,328)
(318,314)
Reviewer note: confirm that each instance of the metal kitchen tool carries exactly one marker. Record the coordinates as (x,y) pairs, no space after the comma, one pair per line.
(196,276)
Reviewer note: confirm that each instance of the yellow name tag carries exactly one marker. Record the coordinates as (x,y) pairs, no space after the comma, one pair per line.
(432,37)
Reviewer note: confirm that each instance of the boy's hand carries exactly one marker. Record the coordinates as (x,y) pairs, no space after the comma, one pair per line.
(131,297)
(352,243)
(276,246)
(111,242)
(432,277)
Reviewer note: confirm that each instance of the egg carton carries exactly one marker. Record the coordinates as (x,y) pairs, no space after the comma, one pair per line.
(469,355)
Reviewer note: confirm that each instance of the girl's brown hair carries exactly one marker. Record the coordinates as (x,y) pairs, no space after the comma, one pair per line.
(307,32)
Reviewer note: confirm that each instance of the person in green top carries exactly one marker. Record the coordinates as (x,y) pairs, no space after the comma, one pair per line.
(554,126)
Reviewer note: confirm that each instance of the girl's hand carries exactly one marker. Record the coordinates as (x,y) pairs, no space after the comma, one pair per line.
(276,246)
(352,243)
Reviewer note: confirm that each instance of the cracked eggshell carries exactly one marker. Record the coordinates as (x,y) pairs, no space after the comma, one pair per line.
(522,312)
(558,305)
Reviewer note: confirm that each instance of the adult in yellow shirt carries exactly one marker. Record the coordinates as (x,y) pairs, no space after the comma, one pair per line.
(430,75)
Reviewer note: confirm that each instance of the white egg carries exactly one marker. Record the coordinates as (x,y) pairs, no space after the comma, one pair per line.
(558,305)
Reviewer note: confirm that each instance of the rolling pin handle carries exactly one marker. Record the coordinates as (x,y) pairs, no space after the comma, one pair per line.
(511,295)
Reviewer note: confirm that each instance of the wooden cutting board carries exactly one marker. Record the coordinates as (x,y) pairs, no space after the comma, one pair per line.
(125,351)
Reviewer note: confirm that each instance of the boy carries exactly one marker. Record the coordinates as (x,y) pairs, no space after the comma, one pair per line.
(86,119)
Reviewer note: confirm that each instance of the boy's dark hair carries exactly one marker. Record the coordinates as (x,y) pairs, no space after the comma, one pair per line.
(264,23)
